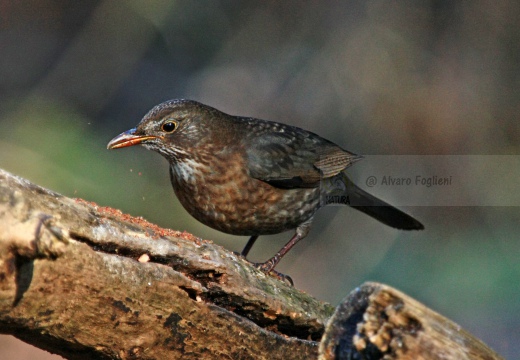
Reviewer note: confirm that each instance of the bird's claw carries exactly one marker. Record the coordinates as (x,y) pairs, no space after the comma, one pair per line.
(267,268)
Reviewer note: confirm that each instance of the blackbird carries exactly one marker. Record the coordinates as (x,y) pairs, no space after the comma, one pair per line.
(247,176)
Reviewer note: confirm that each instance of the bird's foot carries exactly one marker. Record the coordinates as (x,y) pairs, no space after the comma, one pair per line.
(268,268)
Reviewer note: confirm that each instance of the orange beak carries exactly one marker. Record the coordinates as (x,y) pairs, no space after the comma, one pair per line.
(128,138)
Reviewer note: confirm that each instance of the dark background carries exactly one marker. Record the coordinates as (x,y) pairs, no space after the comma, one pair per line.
(376,77)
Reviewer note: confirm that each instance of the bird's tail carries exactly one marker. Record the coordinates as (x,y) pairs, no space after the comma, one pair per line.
(341,189)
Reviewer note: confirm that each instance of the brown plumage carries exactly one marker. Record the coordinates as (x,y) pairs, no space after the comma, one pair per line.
(247,176)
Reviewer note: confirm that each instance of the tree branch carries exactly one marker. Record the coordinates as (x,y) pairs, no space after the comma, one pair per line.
(71,283)
(378,322)
(88,282)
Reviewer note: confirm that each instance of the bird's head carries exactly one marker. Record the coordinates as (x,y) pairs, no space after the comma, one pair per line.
(175,129)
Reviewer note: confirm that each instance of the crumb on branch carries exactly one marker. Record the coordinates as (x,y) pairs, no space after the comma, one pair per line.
(155,230)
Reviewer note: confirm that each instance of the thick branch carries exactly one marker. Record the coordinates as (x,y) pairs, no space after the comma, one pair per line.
(88,282)
(378,322)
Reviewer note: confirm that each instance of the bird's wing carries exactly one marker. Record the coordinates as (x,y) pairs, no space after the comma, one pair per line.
(295,158)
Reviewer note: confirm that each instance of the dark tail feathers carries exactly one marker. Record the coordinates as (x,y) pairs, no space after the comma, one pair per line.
(378,209)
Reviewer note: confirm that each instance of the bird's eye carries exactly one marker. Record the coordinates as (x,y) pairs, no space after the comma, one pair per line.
(169,126)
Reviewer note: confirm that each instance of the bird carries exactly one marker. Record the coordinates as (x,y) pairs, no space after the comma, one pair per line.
(251,177)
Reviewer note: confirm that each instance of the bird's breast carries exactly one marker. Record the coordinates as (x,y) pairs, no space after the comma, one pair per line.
(221,194)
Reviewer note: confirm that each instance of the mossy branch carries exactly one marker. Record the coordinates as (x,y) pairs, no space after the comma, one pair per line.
(88,282)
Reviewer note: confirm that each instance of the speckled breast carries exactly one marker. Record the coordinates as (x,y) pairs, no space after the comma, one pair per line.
(224,197)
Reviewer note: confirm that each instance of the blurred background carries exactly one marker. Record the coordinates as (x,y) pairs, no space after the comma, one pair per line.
(377,77)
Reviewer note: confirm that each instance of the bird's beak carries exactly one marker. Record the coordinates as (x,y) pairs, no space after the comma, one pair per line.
(128,138)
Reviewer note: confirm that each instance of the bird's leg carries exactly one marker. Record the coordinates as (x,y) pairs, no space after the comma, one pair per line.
(268,266)
(248,246)
(245,252)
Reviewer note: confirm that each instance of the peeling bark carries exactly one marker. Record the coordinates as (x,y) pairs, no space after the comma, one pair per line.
(71,283)
(88,282)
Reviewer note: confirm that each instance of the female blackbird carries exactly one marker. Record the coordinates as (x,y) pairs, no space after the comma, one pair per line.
(246,176)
